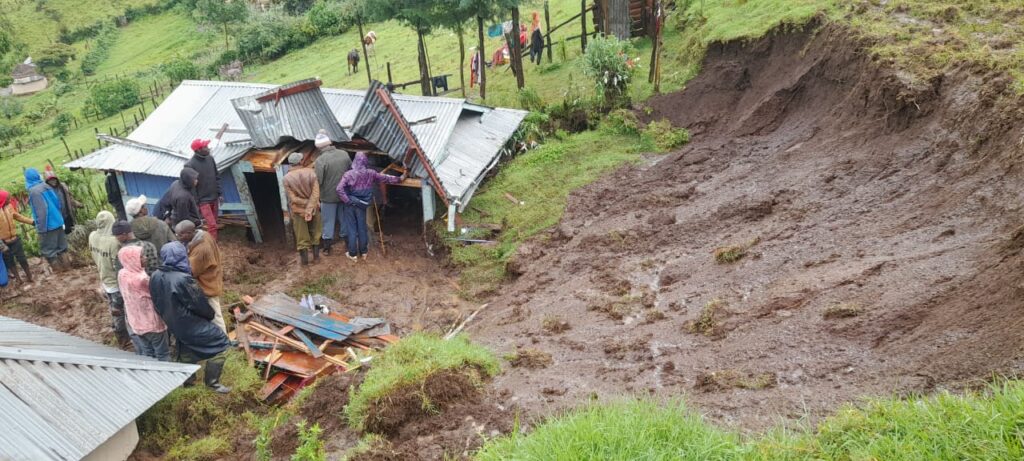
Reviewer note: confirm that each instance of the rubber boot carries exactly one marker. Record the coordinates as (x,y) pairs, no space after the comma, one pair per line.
(326,243)
(28,275)
(304,257)
(316,254)
(15,277)
(211,376)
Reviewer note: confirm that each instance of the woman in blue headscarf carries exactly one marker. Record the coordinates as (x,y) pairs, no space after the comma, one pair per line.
(188,315)
(49,223)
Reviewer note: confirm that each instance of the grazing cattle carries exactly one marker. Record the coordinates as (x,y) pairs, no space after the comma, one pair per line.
(369,40)
(353,61)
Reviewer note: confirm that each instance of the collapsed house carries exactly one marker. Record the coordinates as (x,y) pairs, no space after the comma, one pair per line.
(447,145)
(67,398)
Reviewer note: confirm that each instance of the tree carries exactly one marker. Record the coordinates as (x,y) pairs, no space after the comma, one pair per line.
(54,56)
(222,12)
(421,15)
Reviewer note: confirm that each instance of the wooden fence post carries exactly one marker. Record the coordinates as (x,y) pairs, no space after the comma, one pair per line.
(547,25)
(583,25)
(517,50)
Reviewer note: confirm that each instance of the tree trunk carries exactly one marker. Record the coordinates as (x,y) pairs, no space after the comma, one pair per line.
(482,64)
(547,25)
(226,44)
(366,57)
(422,58)
(462,62)
(583,25)
(517,50)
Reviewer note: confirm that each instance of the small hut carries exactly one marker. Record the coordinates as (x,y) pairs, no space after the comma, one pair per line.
(27,79)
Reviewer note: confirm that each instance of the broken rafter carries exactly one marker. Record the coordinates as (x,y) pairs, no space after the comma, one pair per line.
(282,92)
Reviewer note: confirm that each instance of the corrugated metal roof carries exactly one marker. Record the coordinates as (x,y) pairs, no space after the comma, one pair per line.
(475,148)
(462,143)
(298,115)
(63,396)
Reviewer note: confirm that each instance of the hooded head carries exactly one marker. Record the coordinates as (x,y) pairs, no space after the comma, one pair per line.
(175,255)
(51,178)
(4,196)
(189,177)
(359,163)
(322,140)
(32,178)
(131,259)
(105,223)
(135,206)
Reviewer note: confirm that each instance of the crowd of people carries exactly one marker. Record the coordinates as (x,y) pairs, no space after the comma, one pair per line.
(161,274)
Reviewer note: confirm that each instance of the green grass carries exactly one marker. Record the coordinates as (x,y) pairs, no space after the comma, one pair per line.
(973,426)
(153,40)
(36,27)
(410,362)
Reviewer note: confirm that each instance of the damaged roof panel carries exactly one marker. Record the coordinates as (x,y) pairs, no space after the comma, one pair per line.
(297,110)
(475,148)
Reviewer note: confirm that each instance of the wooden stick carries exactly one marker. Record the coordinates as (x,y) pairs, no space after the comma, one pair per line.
(456,331)
(270,361)
(380,227)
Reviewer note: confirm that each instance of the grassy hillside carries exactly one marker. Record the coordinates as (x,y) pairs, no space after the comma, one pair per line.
(37,23)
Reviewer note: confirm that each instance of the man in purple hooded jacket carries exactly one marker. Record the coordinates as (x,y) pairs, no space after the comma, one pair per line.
(356,191)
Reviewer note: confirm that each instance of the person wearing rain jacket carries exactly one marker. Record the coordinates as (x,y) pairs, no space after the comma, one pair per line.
(150,337)
(184,309)
(68,204)
(53,243)
(104,246)
(356,191)
(178,203)
(14,251)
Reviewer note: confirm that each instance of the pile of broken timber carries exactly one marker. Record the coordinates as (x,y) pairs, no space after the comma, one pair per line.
(297,345)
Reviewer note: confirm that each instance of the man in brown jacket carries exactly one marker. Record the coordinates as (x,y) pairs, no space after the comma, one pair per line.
(204,257)
(304,196)
(12,246)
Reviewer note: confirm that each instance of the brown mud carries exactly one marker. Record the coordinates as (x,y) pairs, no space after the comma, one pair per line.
(879,222)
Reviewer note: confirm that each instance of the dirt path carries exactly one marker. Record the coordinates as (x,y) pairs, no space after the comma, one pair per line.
(880,220)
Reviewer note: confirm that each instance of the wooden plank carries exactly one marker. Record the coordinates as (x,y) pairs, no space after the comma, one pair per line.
(290,91)
(243,336)
(296,344)
(273,384)
(292,362)
(270,361)
(313,349)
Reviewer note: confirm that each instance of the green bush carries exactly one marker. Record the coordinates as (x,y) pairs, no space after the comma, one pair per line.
(666,137)
(324,19)
(100,50)
(180,68)
(54,56)
(311,448)
(61,124)
(271,37)
(607,61)
(113,96)
(9,132)
(622,121)
(10,108)
(61,88)
(530,100)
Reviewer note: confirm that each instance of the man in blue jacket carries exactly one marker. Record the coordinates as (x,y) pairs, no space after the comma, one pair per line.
(53,243)
(188,315)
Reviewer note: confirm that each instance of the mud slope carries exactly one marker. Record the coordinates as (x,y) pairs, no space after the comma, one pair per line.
(893,204)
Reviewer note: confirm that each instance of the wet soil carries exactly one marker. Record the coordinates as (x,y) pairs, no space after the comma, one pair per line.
(879,221)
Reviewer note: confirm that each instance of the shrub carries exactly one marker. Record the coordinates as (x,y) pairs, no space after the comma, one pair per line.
(109,98)
(100,50)
(324,18)
(623,122)
(665,136)
(530,100)
(61,88)
(9,132)
(10,108)
(61,124)
(297,7)
(311,448)
(180,68)
(271,37)
(54,56)
(607,62)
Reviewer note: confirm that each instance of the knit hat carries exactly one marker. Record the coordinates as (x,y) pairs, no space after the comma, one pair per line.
(121,228)
(134,206)
(322,140)
(295,158)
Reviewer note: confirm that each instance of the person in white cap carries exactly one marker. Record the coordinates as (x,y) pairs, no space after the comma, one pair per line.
(330,166)
(304,199)
(145,227)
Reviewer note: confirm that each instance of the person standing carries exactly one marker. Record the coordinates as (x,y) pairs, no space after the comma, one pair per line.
(104,247)
(53,243)
(208,192)
(114,194)
(146,227)
(356,191)
(15,250)
(330,166)
(303,191)
(205,260)
(68,204)
(179,203)
(150,256)
(188,315)
(150,336)
(536,46)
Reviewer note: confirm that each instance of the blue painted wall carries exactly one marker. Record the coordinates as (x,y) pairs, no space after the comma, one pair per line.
(154,187)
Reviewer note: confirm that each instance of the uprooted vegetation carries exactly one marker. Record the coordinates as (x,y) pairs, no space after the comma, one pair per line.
(978,425)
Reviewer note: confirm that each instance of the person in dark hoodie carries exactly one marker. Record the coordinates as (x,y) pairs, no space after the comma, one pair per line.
(114,194)
(356,191)
(208,193)
(178,204)
(53,243)
(68,204)
(188,315)
(536,46)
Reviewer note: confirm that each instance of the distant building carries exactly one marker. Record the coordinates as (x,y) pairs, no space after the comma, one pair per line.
(27,79)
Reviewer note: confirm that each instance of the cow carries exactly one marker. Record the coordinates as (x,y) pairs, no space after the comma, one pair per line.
(369,40)
(353,61)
